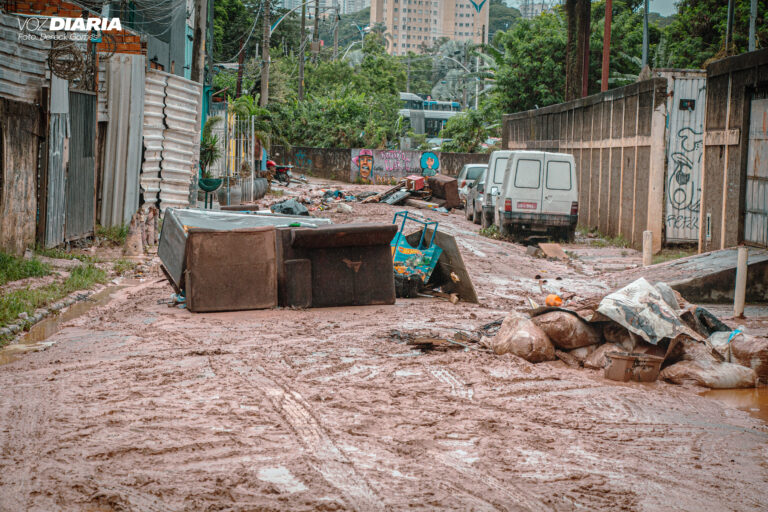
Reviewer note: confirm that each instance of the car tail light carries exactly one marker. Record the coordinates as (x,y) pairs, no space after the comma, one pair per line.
(575,208)
(508,205)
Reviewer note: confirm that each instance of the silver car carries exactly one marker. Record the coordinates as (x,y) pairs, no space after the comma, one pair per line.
(474,208)
(468,174)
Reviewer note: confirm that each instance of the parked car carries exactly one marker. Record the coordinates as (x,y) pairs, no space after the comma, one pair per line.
(473,210)
(468,174)
(494,178)
(538,195)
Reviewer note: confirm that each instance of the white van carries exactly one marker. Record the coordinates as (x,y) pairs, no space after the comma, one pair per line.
(494,179)
(538,195)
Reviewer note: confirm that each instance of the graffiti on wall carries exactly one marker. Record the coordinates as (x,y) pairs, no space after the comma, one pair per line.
(683,189)
(386,166)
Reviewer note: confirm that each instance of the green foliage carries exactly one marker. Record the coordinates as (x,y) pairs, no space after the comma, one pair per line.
(123,266)
(492,232)
(13,268)
(501,18)
(467,132)
(672,254)
(697,33)
(28,300)
(115,235)
(61,254)
(209,145)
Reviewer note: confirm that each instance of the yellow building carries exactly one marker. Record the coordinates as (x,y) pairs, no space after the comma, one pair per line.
(414,23)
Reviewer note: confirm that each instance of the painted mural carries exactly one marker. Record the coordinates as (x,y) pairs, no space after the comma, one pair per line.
(388,166)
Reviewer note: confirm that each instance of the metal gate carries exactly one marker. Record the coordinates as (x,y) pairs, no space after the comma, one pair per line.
(756,204)
(684,153)
(80,181)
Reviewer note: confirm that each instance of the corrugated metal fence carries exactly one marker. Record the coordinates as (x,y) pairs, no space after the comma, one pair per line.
(171,138)
(80,176)
(22,61)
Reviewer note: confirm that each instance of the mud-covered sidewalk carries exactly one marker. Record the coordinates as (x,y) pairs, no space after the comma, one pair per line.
(138,406)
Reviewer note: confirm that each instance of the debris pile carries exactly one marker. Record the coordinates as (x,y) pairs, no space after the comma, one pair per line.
(639,333)
(438,192)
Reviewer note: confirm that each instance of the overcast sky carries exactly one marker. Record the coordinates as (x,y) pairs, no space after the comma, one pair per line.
(663,7)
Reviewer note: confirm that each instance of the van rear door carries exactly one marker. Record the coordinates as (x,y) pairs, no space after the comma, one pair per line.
(558,190)
(495,178)
(525,189)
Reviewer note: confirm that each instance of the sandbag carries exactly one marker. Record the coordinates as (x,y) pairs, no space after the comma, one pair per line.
(581,353)
(714,375)
(751,352)
(691,350)
(596,360)
(721,343)
(518,335)
(567,331)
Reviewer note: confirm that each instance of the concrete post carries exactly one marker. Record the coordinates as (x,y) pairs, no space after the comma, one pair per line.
(655,219)
(741,283)
(647,248)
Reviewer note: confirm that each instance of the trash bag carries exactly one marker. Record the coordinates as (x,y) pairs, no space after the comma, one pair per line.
(714,375)
(596,360)
(290,207)
(752,352)
(520,336)
(710,321)
(567,331)
(691,350)
(721,342)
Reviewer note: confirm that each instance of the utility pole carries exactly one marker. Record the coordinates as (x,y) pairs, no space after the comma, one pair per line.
(316,33)
(408,76)
(606,45)
(584,29)
(645,35)
(265,57)
(729,29)
(477,70)
(336,33)
(240,63)
(198,43)
(752,21)
(301,50)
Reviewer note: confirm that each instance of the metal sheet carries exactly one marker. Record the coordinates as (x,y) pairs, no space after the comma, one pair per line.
(23,62)
(756,205)
(685,149)
(154,125)
(103,91)
(81,173)
(122,155)
(58,134)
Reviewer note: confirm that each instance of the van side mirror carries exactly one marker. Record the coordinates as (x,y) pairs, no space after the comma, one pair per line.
(494,191)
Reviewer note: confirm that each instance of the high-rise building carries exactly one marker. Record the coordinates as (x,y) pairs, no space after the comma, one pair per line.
(350,6)
(411,24)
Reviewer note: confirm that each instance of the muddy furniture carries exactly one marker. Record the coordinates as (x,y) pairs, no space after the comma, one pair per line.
(230,270)
(346,265)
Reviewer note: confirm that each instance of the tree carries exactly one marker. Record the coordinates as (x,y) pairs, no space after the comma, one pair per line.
(697,33)
(501,17)
(578,16)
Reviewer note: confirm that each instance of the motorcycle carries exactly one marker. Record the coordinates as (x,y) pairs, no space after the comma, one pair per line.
(283,173)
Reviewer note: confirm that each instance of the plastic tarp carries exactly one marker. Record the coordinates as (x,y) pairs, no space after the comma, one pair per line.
(177,222)
(640,308)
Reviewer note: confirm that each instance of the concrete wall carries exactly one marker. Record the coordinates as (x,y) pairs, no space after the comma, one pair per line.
(19,129)
(731,83)
(387,165)
(618,141)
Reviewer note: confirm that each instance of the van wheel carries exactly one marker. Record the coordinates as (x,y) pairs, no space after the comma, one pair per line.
(477,216)
(469,211)
(486,221)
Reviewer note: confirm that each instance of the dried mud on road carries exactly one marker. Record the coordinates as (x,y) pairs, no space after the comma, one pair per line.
(138,406)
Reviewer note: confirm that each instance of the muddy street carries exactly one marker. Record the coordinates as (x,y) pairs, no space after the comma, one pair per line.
(139,406)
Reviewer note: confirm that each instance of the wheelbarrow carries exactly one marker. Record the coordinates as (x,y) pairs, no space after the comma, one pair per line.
(418,261)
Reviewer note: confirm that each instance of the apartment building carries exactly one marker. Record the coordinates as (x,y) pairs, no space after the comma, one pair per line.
(414,23)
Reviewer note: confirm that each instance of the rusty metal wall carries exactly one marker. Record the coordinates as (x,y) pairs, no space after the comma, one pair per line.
(19,129)
(122,152)
(81,172)
(23,62)
(618,141)
(756,204)
(154,124)
(687,102)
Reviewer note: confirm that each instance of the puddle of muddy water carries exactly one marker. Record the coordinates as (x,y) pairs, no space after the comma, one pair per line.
(34,340)
(752,400)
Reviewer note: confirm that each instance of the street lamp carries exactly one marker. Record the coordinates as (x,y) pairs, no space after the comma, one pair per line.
(362,31)
(349,48)
(477,80)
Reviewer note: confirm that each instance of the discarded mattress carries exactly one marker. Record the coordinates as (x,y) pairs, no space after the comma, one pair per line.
(177,222)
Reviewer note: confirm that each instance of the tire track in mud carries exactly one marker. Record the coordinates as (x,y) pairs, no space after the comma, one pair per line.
(334,466)
(458,387)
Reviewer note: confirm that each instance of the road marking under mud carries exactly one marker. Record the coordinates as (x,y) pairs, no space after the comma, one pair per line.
(334,466)
(458,387)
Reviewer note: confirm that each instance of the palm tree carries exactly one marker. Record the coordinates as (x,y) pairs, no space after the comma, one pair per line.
(209,145)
